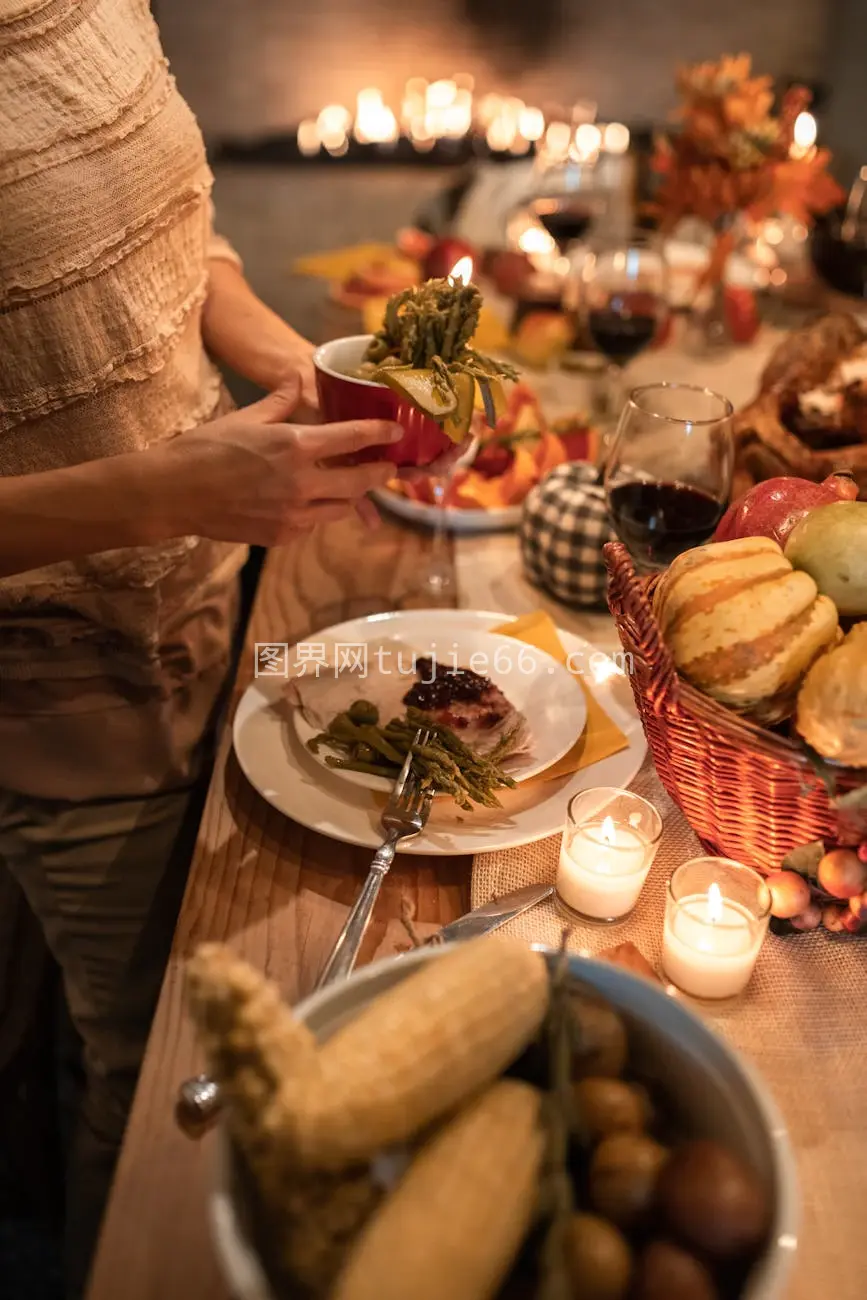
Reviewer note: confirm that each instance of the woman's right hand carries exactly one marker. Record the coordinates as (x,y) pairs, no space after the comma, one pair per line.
(254,477)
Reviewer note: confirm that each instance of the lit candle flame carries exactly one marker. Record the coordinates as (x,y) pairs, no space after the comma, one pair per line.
(804,130)
(608,833)
(462,271)
(536,240)
(714,905)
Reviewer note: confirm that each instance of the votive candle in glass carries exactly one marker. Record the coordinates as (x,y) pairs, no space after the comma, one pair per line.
(716,918)
(608,846)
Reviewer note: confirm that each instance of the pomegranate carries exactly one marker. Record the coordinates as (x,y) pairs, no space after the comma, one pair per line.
(773,508)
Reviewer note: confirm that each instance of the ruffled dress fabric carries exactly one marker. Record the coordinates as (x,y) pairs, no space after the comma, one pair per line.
(110,667)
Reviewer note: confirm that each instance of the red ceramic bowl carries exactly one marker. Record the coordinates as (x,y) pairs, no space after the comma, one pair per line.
(342,397)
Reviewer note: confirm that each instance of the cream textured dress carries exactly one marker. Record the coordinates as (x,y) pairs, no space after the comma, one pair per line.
(110,666)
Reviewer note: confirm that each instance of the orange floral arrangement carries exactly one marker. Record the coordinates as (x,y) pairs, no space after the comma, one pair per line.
(732,155)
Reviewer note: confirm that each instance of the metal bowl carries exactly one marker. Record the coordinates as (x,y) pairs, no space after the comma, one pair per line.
(711,1088)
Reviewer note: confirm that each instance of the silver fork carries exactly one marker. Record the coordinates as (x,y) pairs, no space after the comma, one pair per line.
(404,816)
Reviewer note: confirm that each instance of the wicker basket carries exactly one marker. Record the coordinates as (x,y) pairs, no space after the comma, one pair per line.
(748,794)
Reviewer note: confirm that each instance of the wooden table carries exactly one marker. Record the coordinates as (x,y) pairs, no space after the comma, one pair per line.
(278,893)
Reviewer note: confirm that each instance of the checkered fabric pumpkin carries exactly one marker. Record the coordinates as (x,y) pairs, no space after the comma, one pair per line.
(563,529)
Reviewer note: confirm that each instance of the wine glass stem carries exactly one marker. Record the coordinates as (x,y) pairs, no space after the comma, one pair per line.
(438,556)
(614,384)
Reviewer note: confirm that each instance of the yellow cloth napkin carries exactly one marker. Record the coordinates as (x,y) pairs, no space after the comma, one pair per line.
(601,737)
(491,334)
(340,263)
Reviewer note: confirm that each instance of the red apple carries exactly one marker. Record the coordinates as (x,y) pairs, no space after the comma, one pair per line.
(441,258)
(509,271)
(771,509)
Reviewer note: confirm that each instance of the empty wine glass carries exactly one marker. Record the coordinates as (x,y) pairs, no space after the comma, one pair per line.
(437,586)
(623,301)
(669,471)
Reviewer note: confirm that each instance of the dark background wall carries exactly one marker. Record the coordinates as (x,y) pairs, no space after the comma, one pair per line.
(253,65)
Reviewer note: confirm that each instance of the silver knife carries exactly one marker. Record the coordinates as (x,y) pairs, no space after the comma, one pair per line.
(199,1102)
(490,916)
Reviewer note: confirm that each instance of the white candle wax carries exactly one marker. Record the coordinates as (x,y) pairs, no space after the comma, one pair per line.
(710,945)
(603,866)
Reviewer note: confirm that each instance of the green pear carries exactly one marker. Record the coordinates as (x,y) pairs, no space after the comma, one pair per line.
(830,543)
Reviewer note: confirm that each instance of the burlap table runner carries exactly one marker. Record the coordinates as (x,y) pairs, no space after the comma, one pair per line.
(801,1022)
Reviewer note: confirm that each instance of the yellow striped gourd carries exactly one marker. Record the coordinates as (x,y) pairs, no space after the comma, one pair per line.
(742,625)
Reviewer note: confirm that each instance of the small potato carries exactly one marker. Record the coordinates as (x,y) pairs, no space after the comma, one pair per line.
(624,1172)
(600,1045)
(604,1106)
(666,1272)
(713,1201)
(600,1261)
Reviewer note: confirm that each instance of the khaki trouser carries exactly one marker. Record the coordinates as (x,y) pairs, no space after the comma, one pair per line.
(105,880)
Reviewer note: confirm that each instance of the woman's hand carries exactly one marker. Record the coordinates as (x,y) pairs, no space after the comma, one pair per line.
(299,366)
(254,477)
(252,340)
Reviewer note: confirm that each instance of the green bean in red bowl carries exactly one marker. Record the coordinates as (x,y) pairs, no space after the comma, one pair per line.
(418,369)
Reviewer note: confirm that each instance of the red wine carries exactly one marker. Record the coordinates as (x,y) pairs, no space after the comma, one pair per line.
(621,335)
(565,222)
(658,521)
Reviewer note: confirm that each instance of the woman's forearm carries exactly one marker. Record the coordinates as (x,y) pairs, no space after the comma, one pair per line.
(63,514)
(245,334)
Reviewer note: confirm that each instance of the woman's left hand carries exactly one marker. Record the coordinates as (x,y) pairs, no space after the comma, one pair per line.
(299,362)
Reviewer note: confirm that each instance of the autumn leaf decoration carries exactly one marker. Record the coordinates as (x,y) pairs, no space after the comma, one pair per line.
(729,154)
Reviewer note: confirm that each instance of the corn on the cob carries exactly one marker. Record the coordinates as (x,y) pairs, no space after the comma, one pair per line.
(252,1041)
(455,1222)
(254,1045)
(418,1051)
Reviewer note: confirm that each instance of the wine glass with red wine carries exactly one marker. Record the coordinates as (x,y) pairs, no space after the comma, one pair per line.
(669,471)
(568,200)
(625,301)
(567,217)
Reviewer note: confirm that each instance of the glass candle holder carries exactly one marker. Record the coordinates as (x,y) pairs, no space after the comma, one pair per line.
(716,918)
(608,846)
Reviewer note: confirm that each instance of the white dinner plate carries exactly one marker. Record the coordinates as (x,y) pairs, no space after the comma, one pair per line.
(289,778)
(545,692)
(455,520)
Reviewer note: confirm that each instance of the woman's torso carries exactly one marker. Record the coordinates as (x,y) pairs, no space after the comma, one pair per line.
(109,667)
